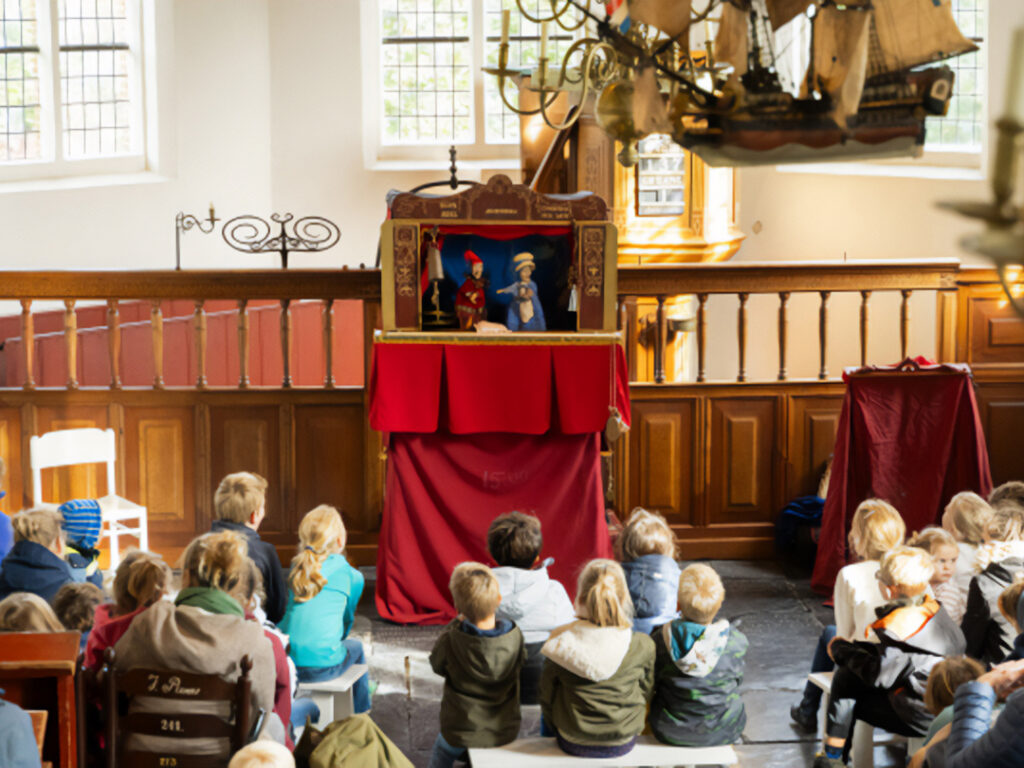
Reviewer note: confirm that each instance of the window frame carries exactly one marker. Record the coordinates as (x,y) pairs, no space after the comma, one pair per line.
(53,163)
(426,155)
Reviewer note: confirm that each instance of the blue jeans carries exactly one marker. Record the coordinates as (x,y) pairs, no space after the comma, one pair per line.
(821,663)
(303,708)
(444,754)
(353,655)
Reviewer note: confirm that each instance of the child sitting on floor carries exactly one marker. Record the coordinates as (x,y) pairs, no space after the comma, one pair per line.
(883,683)
(945,677)
(529,597)
(36,561)
(647,549)
(141,579)
(25,612)
(1012,608)
(598,674)
(323,592)
(876,528)
(989,635)
(240,504)
(966,518)
(698,668)
(82,525)
(938,543)
(75,605)
(262,754)
(480,657)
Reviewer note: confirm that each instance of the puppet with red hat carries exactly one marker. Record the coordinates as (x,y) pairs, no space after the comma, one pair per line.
(470,300)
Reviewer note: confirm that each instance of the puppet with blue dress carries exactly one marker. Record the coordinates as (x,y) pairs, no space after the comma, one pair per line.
(525,312)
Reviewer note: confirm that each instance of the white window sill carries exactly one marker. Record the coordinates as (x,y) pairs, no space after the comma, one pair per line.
(494,164)
(81,182)
(904,171)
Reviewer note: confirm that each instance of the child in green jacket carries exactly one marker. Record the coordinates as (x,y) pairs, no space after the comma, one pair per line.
(479,657)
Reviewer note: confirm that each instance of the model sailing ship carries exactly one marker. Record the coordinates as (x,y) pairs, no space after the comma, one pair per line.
(866,92)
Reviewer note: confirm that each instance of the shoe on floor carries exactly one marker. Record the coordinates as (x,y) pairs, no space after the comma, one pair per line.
(824,761)
(807,720)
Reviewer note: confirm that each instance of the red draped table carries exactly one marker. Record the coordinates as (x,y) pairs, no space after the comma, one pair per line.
(475,429)
(909,434)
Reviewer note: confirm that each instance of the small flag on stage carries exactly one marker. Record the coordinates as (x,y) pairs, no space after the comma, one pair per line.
(618,14)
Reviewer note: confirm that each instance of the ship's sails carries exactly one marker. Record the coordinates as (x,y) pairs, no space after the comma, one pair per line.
(731,41)
(915,32)
(670,16)
(840,57)
(781,12)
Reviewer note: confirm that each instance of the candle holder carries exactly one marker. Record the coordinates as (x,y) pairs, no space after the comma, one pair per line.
(251,234)
(183,222)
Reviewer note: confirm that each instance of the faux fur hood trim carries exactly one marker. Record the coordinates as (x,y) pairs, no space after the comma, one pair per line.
(588,650)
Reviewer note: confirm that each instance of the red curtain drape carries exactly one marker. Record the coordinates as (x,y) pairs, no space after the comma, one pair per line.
(444,490)
(913,438)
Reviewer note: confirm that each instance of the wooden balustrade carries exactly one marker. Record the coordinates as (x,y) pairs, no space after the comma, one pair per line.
(782,279)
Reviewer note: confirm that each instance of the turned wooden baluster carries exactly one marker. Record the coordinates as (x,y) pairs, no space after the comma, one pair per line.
(741,336)
(114,342)
(156,324)
(823,333)
(199,324)
(28,343)
(659,342)
(864,296)
(328,320)
(783,326)
(904,323)
(702,299)
(71,342)
(286,343)
(243,344)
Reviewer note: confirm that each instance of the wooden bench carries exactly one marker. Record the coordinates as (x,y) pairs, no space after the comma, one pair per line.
(864,741)
(538,752)
(334,697)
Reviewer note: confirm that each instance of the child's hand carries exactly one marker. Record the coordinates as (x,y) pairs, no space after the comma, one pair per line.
(1005,678)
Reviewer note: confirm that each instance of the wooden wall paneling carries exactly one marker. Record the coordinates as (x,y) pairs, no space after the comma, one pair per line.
(991,334)
(245,437)
(204,483)
(159,458)
(11,453)
(1001,406)
(662,456)
(810,439)
(83,481)
(374,454)
(741,482)
(286,421)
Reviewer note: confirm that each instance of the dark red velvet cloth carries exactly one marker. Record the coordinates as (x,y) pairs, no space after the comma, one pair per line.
(444,490)
(913,438)
(527,389)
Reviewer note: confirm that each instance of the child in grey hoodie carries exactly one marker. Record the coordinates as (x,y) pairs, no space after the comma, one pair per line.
(529,597)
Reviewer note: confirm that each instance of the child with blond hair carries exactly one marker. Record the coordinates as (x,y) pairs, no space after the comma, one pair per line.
(990,636)
(598,674)
(647,550)
(36,561)
(323,590)
(698,668)
(883,683)
(967,517)
(941,545)
(876,528)
(240,504)
(26,612)
(479,656)
(262,754)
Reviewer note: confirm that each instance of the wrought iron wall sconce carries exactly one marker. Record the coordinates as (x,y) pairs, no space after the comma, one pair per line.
(251,234)
(183,222)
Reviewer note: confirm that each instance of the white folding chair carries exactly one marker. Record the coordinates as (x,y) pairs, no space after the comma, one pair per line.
(90,445)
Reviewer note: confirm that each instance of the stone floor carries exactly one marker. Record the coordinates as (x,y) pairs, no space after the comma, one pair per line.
(776,610)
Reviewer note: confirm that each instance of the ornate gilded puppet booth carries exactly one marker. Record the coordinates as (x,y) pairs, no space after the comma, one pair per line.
(496,378)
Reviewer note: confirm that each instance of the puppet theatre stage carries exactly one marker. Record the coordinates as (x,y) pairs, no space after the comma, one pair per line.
(475,429)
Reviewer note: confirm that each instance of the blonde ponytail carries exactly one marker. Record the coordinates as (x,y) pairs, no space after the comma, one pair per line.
(602,596)
(42,526)
(319,533)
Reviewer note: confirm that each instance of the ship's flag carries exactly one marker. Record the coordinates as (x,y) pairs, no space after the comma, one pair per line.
(618,14)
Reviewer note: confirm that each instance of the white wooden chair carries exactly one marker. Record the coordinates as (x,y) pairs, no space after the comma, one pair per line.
(334,697)
(90,445)
(863,746)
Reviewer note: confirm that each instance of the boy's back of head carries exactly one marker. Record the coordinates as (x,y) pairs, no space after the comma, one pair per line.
(239,496)
(514,539)
(700,593)
(474,589)
(1012,492)
(906,569)
(263,754)
(75,605)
